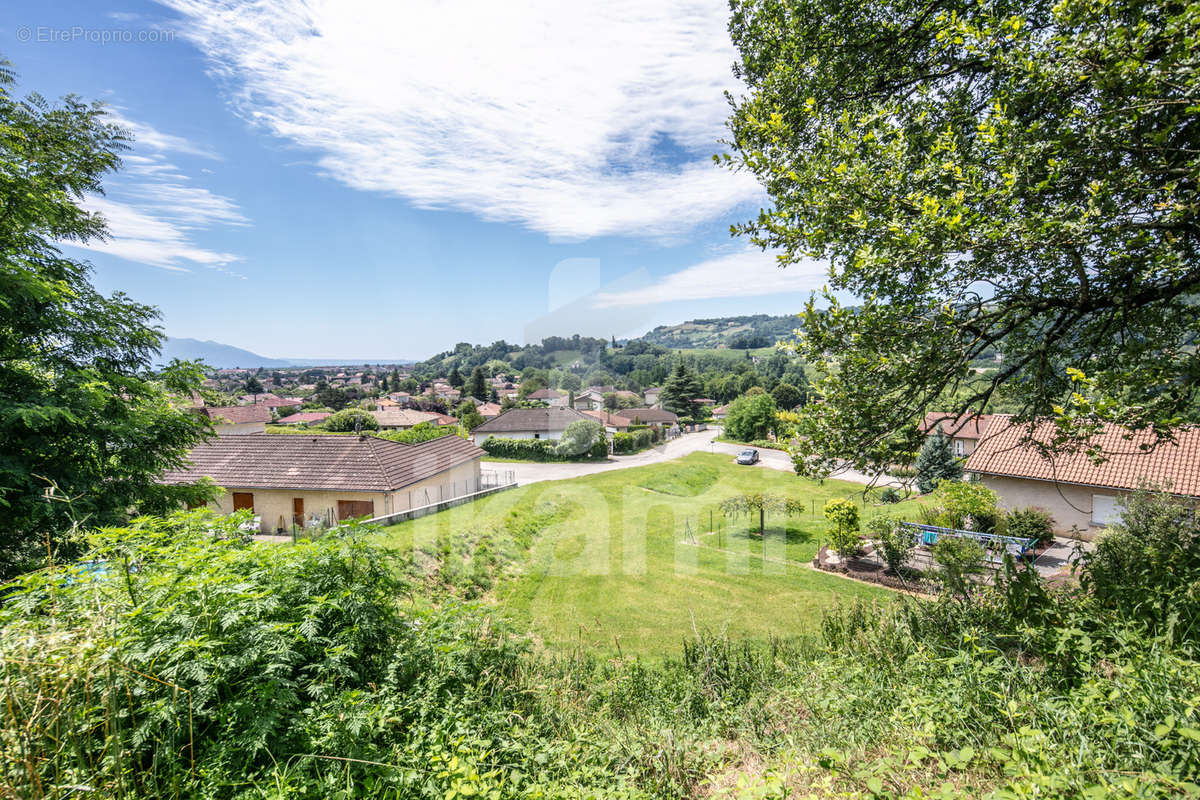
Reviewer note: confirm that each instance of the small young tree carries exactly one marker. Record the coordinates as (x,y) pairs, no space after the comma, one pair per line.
(958,559)
(936,463)
(253,385)
(844,533)
(759,503)
(895,543)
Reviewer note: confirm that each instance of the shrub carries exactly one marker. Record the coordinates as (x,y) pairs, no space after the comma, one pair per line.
(351,419)
(751,417)
(537,449)
(423,432)
(965,502)
(636,440)
(844,533)
(1030,523)
(889,495)
(895,543)
(579,438)
(958,559)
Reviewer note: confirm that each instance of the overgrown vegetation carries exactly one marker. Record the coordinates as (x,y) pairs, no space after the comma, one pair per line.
(185,664)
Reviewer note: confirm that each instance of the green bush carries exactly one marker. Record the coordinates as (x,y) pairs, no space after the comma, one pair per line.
(895,542)
(423,432)
(538,449)
(636,440)
(351,419)
(889,495)
(966,502)
(751,417)
(843,533)
(1030,523)
(958,559)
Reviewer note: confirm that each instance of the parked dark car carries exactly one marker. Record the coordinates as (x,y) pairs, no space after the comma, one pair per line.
(748,457)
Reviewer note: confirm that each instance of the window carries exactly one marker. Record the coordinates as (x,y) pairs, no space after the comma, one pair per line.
(243,500)
(960,448)
(1105,510)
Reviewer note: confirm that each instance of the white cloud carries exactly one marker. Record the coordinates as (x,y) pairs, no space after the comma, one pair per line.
(552,115)
(154,212)
(748,273)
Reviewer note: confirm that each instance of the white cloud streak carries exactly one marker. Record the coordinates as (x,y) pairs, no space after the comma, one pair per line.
(748,273)
(154,212)
(573,119)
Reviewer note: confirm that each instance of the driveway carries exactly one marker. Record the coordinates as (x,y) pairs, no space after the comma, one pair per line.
(701,441)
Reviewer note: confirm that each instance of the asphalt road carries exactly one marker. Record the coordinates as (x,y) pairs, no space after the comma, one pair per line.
(701,441)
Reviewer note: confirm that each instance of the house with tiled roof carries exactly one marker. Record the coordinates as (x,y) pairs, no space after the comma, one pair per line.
(963,431)
(1075,490)
(293,480)
(237,420)
(528,423)
(551,397)
(654,417)
(613,423)
(401,419)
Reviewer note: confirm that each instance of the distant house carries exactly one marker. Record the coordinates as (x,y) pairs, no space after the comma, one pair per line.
(489,410)
(238,419)
(721,412)
(401,419)
(1076,491)
(271,400)
(551,397)
(288,480)
(589,401)
(650,396)
(654,417)
(964,432)
(304,418)
(528,423)
(613,423)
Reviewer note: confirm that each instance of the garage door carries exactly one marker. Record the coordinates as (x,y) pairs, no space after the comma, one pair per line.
(353,509)
(1105,510)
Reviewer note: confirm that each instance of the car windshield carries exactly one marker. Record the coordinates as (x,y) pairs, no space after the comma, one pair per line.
(747,452)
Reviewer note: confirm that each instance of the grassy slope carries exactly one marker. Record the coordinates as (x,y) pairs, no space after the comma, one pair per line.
(620,566)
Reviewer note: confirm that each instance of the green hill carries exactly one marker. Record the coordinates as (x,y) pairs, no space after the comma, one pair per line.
(758,330)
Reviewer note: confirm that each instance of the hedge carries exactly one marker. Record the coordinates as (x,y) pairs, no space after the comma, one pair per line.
(632,442)
(537,449)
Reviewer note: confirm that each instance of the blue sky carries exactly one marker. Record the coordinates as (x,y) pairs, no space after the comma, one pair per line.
(381,180)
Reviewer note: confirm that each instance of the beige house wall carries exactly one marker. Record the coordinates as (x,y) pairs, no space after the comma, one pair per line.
(1069,504)
(274,506)
(480,438)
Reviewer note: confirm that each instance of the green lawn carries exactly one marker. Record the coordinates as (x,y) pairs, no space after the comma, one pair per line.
(629,556)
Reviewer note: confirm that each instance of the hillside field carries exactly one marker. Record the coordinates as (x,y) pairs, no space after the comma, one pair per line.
(628,560)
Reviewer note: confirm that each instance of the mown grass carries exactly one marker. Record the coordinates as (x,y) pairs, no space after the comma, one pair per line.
(639,559)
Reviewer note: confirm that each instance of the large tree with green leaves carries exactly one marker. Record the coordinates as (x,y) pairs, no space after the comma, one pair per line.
(86,427)
(680,391)
(1012,178)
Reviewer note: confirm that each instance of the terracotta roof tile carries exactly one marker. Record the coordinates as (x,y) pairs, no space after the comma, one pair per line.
(539,420)
(340,463)
(967,426)
(1003,452)
(238,415)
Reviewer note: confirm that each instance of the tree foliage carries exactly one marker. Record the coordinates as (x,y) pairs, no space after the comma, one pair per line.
(1015,179)
(351,419)
(580,437)
(751,418)
(81,413)
(679,393)
(843,533)
(936,463)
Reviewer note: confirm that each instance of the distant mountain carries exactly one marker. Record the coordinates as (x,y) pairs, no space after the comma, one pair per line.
(758,330)
(224,356)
